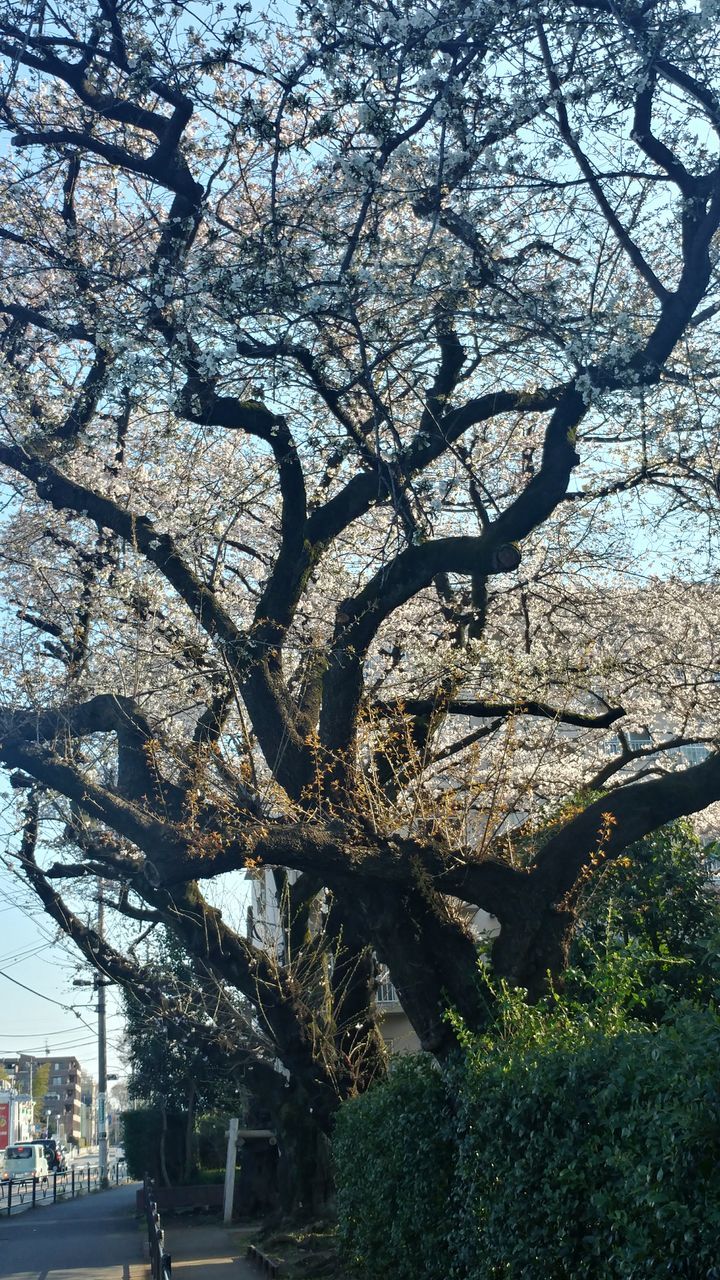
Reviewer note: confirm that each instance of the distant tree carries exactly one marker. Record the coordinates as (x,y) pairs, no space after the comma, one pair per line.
(169,1075)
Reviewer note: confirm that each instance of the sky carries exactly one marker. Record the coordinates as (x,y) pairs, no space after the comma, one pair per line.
(40,1010)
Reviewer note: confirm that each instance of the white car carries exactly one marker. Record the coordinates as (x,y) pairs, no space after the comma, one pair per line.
(25,1159)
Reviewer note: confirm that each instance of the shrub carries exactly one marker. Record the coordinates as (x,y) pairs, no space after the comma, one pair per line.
(592,1160)
(393,1154)
(576,1139)
(142,1129)
(656,910)
(569,1153)
(211,1131)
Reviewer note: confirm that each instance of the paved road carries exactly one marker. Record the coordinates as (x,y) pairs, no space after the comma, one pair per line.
(94,1238)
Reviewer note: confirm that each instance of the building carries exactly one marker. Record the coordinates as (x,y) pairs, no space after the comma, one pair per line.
(17,1122)
(62,1100)
(88,1110)
(58,1107)
(16,1118)
(396,1028)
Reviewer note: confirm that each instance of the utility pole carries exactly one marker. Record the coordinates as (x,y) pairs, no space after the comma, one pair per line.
(102,1057)
(16,1090)
(99,984)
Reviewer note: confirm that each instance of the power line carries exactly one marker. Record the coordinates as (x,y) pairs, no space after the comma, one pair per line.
(38,1050)
(17,957)
(67,1007)
(34,1035)
(46,1035)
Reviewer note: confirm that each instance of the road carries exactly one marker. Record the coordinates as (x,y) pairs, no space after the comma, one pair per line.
(89,1155)
(95,1238)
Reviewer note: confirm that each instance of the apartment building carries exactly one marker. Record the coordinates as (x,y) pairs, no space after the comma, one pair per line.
(395,1027)
(17,1123)
(62,1100)
(88,1110)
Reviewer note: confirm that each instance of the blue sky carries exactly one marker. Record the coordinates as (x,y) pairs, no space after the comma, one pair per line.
(40,1010)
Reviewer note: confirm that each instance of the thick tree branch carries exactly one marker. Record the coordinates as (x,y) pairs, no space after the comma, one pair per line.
(621,818)
(480,709)
(494,551)
(68,333)
(362,491)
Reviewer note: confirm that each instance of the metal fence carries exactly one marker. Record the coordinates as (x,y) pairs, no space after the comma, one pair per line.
(160,1261)
(19,1194)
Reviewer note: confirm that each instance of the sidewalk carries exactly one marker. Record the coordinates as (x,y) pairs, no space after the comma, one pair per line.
(208,1252)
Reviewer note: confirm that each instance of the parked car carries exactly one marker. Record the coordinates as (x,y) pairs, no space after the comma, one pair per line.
(55,1153)
(25,1159)
(60,1160)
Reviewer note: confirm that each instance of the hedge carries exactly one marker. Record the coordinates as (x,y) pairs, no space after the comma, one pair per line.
(141,1136)
(393,1155)
(593,1157)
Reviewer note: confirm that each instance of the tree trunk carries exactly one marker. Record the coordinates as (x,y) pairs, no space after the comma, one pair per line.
(163,1145)
(189,1131)
(305,1173)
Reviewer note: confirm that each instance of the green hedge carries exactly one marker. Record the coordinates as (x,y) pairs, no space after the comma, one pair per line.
(393,1157)
(141,1134)
(584,1156)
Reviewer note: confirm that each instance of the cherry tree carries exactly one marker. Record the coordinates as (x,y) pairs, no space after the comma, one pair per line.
(360,477)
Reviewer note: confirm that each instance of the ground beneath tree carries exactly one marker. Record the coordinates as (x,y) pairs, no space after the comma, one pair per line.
(304,1253)
(307,1252)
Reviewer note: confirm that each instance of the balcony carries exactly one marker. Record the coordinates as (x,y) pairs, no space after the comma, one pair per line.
(387,998)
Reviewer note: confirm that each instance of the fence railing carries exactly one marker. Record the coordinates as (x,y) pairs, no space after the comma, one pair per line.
(160,1261)
(15,1193)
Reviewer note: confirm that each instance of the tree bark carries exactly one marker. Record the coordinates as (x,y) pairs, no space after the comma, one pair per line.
(163,1146)
(304,1173)
(189,1131)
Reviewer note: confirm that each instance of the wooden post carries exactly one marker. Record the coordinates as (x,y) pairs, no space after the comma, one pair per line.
(230,1170)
